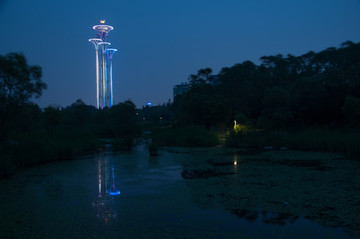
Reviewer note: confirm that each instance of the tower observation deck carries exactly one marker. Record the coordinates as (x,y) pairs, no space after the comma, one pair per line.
(103,31)
(104,82)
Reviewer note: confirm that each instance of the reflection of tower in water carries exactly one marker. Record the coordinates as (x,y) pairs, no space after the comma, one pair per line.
(113,190)
(106,189)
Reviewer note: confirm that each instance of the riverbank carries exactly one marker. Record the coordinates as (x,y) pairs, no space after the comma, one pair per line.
(343,140)
(40,147)
(32,136)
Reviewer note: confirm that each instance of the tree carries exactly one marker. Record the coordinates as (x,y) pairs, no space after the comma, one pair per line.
(52,117)
(276,112)
(242,87)
(123,120)
(124,125)
(19,82)
(351,110)
(202,105)
(203,76)
(78,114)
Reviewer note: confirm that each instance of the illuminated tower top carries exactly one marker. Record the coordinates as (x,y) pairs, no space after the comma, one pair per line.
(103,30)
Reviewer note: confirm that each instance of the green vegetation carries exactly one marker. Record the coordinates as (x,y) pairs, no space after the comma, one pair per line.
(30,135)
(314,89)
(314,139)
(307,102)
(36,136)
(41,146)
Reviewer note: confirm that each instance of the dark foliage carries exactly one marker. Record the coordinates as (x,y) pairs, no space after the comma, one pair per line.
(282,93)
(19,82)
(30,135)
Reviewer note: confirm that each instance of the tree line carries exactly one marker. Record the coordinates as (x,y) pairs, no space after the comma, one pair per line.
(283,92)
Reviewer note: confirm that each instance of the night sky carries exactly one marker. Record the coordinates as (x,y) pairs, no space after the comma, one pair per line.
(161,42)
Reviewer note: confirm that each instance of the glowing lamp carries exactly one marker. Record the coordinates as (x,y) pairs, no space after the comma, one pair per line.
(102,21)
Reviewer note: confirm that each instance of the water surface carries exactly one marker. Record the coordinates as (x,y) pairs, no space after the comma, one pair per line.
(185,193)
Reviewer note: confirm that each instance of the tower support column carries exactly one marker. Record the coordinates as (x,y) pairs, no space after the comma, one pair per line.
(104,81)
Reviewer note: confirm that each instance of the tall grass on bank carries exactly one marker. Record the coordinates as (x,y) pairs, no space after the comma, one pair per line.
(41,146)
(316,139)
(187,137)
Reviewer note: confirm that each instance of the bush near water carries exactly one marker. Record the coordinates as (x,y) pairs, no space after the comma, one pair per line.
(343,140)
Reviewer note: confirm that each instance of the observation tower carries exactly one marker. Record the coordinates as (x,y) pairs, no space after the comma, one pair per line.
(103,54)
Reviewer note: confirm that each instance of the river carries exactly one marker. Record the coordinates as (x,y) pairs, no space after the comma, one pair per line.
(185,193)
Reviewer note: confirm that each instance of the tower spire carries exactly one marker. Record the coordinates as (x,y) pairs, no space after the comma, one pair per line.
(104,89)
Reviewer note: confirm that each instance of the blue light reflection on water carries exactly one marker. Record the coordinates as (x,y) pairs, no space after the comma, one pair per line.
(113,190)
(155,202)
(160,194)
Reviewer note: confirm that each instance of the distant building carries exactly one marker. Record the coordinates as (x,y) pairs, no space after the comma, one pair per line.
(181,89)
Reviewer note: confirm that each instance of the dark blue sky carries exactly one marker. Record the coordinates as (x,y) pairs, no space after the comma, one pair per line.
(161,42)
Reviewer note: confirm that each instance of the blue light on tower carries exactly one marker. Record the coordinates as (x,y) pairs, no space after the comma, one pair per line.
(104,83)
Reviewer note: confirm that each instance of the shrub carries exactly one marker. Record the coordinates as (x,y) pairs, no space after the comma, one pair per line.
(317,139)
